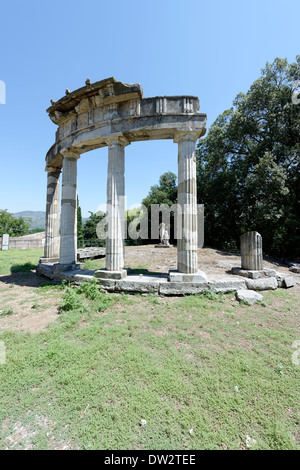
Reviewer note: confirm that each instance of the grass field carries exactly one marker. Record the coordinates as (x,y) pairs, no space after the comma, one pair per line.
(204,371)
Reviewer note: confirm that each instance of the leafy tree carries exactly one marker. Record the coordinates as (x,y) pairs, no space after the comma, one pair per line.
(163,193)
(89,230)
(14,226)
(80,238)
(248,165)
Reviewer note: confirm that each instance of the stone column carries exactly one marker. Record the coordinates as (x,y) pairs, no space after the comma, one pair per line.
(251,251)
(115,246)
(51,249)
(187,243)
(68,226)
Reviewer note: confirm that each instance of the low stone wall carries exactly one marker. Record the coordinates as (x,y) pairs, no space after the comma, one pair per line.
(24,244)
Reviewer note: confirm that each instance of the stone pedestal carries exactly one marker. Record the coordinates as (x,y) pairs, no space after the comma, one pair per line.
(5,241)
(115,248)
(104,274)
(251,251)
(187,200)
(68,230)
(176,276)
(52,240)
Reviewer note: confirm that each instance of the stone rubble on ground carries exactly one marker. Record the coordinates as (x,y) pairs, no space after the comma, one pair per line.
(295,268)
(267,283)
(248,296)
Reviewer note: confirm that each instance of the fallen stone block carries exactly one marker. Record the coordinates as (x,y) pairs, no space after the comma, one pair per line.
(295,268)
(247,273)
(285,280)
(248,296)
(226,285)
(175,276)
(254,274)
(137,286)
(177,288)
(270,272)
(288,281)
(267,283)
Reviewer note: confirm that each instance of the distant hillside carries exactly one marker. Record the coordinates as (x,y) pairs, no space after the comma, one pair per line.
(38,218)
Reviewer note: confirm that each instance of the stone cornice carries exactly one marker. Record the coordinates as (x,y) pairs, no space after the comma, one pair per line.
(90,117)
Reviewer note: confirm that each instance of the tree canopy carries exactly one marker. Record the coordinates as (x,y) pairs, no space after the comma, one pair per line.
(89,229)
(165,192)
(248,165)
(13,226)
(79,226)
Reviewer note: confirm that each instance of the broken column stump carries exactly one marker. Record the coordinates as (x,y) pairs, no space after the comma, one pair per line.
(251,251)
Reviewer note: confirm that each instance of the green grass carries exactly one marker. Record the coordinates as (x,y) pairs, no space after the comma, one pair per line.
(111,360)
(94,263)
(13,261)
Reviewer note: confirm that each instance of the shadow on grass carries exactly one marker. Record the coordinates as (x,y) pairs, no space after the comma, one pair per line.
(25,275)
(22,268)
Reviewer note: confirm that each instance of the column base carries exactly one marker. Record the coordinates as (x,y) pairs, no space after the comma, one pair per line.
(105,274)
(176,276)
(44,260)
(67,267)
(162,245)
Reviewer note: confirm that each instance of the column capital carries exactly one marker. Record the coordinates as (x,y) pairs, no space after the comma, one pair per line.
(70,153)
(53,169)
(181,136)
(117,140)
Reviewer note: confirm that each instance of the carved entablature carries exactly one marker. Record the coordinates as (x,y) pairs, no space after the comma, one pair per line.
(87,117)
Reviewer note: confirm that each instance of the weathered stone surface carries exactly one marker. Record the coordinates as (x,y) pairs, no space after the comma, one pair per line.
(267,283)
(49,260)
(90,252)
(285,280)
(161,245)
(295,268)
(87,116)
(248,296)
(5,241)
(137,286)
(226,285)
(113,114)
(254,274)
(247,273)
(45,270)
(187,260)
(52,237)
(59,267)
(177,288)
(251,251)
(176,276)
(270,272)
(115,249)
(288,281)
(105,274)
(107,284)
(68,229)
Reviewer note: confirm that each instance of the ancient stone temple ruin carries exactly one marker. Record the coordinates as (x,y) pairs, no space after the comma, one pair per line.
(113,114)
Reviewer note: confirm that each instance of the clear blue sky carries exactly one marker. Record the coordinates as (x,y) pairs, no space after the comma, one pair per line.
(212,49)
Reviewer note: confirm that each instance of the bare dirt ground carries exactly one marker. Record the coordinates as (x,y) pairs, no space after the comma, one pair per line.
(24,307)
(210,261)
